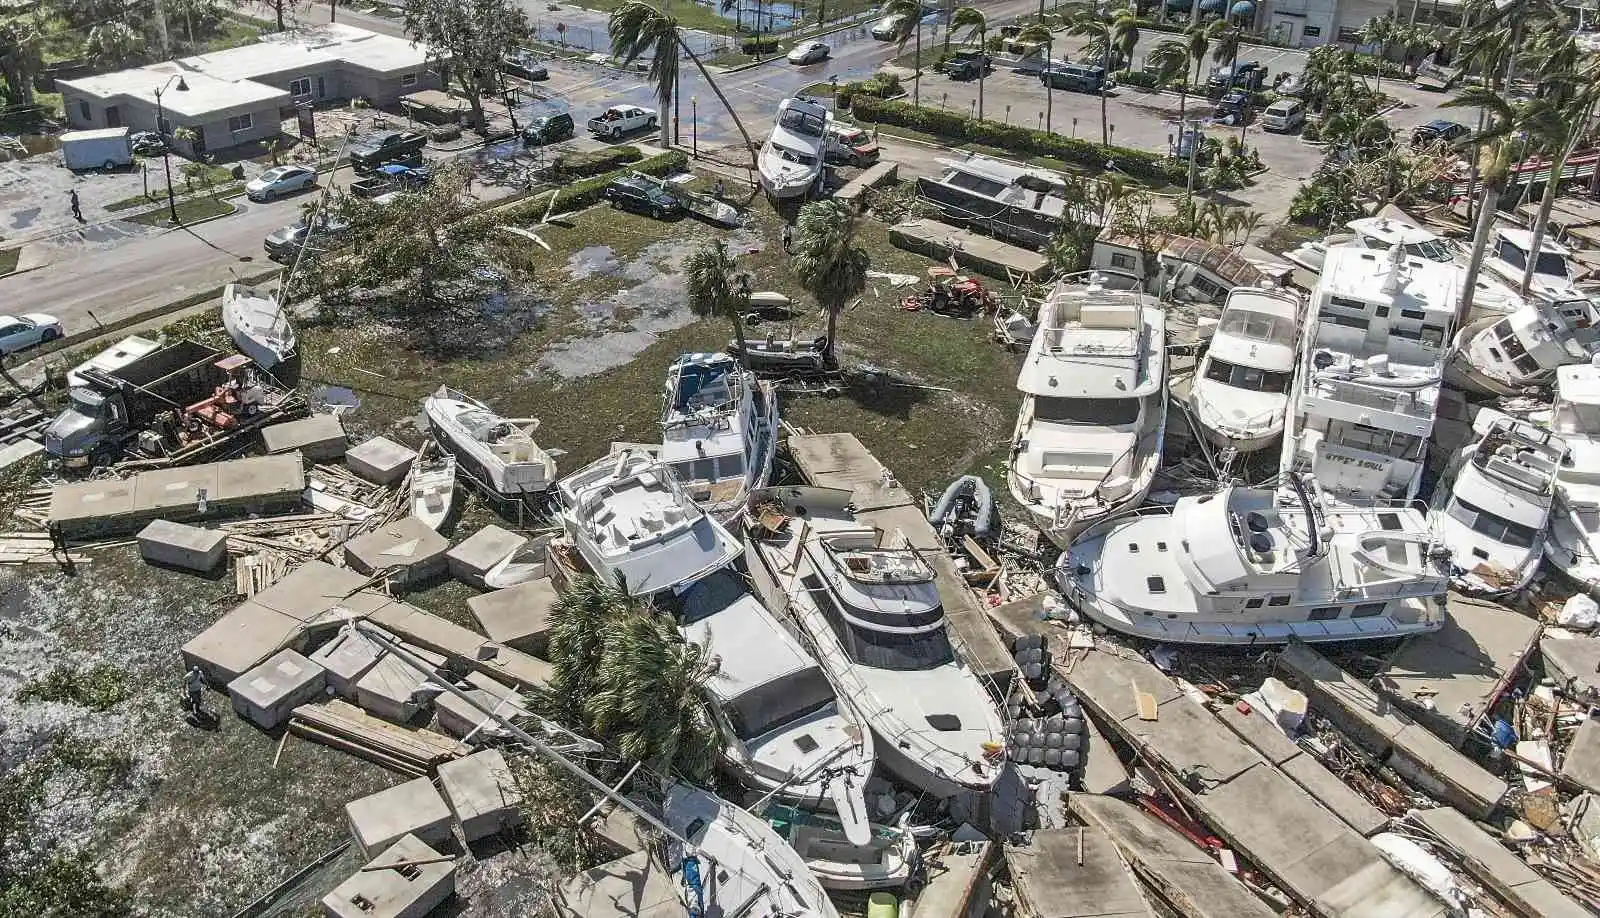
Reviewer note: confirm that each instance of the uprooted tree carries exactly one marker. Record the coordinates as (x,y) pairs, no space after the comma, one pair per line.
(468,39)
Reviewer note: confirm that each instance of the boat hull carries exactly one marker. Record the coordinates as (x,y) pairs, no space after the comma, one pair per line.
(475,462)
(439,483)
(266,351)
(1460,371)
(1568,552)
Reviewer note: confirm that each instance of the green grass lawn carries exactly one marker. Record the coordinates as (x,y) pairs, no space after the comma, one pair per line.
(190,210)
(8,259)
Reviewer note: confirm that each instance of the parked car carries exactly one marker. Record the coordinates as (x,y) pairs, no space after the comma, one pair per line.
(849,144)
(547,129)
(1290,84)
(1090,78)
(1234,108)
(1246,75)
(27,330)
(147,143)
(524,64)
(642,196)
(1284,115)
(279,181)
(809,52)
(376,149)
(967,64)
(619,120)
(283,244)
(1208,147)
(1439,132)
(888,28)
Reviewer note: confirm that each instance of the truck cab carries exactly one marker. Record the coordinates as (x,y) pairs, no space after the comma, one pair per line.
(849,144)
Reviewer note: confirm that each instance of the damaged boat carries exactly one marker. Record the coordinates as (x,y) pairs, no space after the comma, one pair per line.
(500,452)
(1241,388)
(885,861)
(1505,355)
(791,161)
(1574,543)
(258,325)
(719,431)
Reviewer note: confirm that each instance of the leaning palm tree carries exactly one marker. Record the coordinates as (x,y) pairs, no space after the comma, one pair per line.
(1125,34)
(910,24)
(651,704)
(1573,93)
(637,29)
(1228,38)
(715,287)
(1088,23)
(1380,31)
(828,261)
(1171,62)
(1040,34)
(974,22)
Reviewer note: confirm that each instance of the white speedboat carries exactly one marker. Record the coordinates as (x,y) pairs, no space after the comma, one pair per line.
(1372,358)
(787,732)
(886,861)
(719,431)
(258,325)
(433,489)
(1505,355)
(630,520)
(499,452)
(1493,516)
(1249,566)
(1241,387)
(791,160)
(1574,542)
(1507,259)
(735,864)
(868,603)
(1094,406)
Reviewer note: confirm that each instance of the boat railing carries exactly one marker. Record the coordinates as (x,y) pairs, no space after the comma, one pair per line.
(1386,398)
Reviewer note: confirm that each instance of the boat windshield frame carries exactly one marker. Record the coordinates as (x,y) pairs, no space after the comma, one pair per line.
(803,123)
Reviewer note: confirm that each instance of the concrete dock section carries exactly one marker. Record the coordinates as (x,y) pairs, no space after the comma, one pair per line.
(635,886)
(1574,664)
(1449,678)
(215,490)
(1074,873)
(1505,874)
(1412,750)
(958,883)
(1188,879)
(841,461)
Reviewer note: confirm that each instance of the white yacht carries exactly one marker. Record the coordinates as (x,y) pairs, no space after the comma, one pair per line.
(499,452)
(1249,565)
(791,160)
(1574,543)
(719,431)
(787,732)
(1242,385)
(630,519)
(1094,406)
(1016,204)
(868,604)
(735,864)
(1507,258)
(1372,358)
(1493,515)
(1504,355)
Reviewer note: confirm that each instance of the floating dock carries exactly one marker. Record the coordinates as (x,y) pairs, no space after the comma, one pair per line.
(215,490)
(975,252)
(841,462)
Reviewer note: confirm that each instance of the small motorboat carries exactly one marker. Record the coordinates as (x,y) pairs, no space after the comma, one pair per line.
(966,507)
(258,325)
(433,489)
(719,430)
(1505,355)
(1241,389)
(885,862)
(768,302)
(499,452)
(791,160)
(789,357)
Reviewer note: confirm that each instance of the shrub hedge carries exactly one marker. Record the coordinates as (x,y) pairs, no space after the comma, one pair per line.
(579,165)
(758,45)
(1143,165)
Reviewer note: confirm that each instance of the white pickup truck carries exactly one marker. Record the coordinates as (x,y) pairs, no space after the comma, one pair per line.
(622,119)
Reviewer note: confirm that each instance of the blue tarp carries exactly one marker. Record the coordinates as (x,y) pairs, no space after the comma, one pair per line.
(1242,9)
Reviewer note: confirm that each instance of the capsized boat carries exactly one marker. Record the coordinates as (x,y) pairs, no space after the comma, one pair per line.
(258,325)
(1574,543)
(885,861)
(433,489)
(1241,389)
(1493,516)
(1256,566)
(791,160)
(630,519)
(499,452)
(1094,405)
(1504,355)
(719,431)
(867,602)
(788,734)
(734,864)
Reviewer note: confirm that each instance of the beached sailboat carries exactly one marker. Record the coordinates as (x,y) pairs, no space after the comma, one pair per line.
(1094,406)
(258,325)
(719,431)
(1250,565)
(791,161)
(500,452)
(1241,389)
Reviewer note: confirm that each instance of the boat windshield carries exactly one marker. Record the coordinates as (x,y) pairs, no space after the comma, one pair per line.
(1489,525)
(1433,250)
(1575,418)
(768,707)
(1257,326)
(1552,263)
(1095,412)
(1247,378)
(794,156)
(802,123)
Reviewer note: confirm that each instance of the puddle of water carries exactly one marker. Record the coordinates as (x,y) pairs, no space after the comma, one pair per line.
(591,260)
(336,399)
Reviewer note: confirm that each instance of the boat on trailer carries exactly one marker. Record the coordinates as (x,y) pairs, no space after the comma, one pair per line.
(1241,389)
(500,452)
(1259,566)
(258,325)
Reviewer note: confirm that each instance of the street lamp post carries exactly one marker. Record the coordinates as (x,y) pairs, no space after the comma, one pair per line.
(163,133)
(694,124)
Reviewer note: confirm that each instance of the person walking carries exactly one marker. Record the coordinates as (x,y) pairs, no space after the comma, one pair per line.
(194,686)
(77,209)
(788,238)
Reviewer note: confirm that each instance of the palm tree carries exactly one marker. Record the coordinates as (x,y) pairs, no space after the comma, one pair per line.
(1356,130)
(1040,34)
(910,13)
(829,263)
(1227,36)
(715,286)
(1171,61)
(1380,31)
(637,28)
(651,704)
(974,22)
(1125,34)
(1573,93)
(1087,22)
(576,643)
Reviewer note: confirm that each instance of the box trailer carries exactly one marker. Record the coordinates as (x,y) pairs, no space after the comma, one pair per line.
(106,148)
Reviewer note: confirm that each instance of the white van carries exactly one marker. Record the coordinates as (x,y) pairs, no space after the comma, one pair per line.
(1284,115)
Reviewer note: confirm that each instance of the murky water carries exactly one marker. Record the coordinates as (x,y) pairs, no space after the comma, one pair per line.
(336,399)
(591,260)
